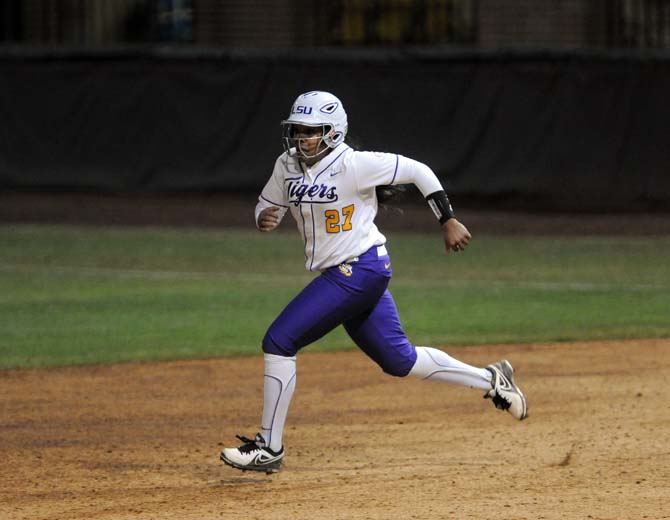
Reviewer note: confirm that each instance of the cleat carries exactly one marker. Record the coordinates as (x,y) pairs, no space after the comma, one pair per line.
(253,455)
(505,394)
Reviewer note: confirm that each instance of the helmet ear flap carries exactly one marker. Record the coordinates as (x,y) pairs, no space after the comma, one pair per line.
(331,140)
(332,137)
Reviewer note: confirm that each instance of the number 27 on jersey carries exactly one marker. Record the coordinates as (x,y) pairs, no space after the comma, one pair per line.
(336,222)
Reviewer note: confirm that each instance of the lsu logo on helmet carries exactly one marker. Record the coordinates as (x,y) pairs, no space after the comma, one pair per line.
(301,109)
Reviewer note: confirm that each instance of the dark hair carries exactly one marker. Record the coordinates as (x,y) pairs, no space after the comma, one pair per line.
(385,194)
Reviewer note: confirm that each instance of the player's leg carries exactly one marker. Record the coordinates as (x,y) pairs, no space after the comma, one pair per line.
(496,379)
(319,308)
(379,334)
(325,303)
(432,363)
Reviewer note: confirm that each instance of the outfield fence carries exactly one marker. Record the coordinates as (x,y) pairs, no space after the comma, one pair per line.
(603,24)
(547,130)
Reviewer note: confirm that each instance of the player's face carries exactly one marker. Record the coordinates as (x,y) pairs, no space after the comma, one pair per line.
(307,140)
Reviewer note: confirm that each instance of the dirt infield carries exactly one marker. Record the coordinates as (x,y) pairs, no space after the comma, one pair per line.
(141,441)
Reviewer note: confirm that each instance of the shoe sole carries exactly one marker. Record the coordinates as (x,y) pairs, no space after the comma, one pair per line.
(272,467)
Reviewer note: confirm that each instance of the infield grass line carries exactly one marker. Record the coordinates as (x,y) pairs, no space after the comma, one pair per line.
(262,277)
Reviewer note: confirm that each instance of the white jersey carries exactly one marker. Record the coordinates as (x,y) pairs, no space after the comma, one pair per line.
(334,202)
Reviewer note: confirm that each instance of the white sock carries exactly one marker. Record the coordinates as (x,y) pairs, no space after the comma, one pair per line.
(432,363)
(278,386)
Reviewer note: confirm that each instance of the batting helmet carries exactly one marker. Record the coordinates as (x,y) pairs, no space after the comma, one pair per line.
(316,109)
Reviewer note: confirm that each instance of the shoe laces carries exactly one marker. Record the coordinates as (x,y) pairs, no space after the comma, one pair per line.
(249,446)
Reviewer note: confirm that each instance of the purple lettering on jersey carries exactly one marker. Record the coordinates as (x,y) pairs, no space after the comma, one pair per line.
(300,191)
(315,193)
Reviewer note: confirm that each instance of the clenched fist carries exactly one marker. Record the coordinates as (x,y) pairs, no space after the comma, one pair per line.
(456,235)
(268,219)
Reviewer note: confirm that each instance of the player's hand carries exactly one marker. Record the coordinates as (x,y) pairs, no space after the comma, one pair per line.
(456,235)
(268,219)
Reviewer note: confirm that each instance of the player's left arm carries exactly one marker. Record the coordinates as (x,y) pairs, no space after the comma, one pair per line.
(378,169)
(456,236)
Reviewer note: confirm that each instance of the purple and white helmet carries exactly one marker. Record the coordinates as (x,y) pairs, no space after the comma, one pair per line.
(316,109)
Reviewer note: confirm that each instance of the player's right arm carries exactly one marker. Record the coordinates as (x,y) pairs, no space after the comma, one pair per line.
(273,201)
(269,218)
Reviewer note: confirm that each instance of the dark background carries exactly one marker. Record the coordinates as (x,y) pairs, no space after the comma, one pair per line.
(544,105)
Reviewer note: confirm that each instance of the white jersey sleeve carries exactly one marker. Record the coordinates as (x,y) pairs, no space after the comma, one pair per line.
(334,202)
(274,194)
(380,169)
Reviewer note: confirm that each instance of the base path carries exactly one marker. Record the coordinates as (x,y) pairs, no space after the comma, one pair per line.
(141,441)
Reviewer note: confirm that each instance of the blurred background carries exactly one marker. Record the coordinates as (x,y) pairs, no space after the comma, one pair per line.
(157,122)
(552,105)
(603,24)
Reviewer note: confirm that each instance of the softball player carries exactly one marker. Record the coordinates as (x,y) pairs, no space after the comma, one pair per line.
(330,189)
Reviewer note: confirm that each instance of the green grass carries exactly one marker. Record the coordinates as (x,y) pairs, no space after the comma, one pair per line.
(96,295)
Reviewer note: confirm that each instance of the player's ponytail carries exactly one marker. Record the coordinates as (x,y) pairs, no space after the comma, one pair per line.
(385,194)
